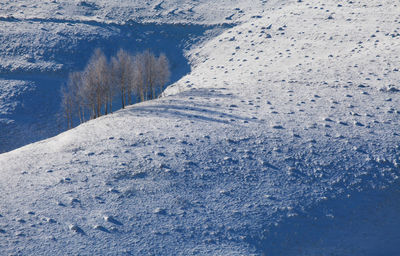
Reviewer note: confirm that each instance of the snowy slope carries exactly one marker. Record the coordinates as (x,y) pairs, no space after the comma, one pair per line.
(282,140)
(42,36)
(41,41)
(32,73)
(123,11)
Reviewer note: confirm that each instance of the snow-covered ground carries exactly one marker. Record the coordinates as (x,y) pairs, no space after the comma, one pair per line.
(125,11)
(283,139)
(36,57)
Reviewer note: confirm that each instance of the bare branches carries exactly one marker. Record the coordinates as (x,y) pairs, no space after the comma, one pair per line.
(132,78)
(122,69)
(96,82)
(163,73)
(72,98)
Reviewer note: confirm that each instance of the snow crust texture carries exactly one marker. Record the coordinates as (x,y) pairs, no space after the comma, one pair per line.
(282,140)
(123,11)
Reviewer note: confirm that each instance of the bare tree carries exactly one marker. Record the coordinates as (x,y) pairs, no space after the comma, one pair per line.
(149,74)
(88,93)
(121,71)
(138,83)
(132,80)
(66,104)
(111,91)
(139,77)
(96,82)
(162,72)
(72,101)
(75,85)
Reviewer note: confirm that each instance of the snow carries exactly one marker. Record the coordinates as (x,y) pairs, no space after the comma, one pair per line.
(60,47)
(123,11)
(281,140)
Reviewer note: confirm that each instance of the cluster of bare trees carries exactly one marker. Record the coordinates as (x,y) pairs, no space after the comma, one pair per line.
(133,78)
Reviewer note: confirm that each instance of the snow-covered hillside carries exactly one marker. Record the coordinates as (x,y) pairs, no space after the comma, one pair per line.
(282,140)
(41,41)
(32,73)
(37,52)
(125,11)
